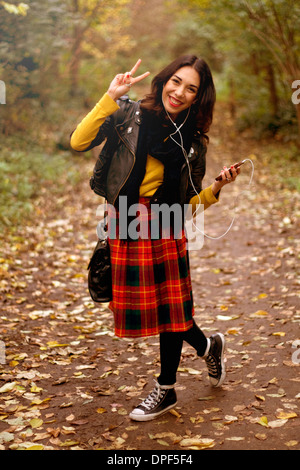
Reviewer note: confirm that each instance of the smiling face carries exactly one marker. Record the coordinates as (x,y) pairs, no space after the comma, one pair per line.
(180,91)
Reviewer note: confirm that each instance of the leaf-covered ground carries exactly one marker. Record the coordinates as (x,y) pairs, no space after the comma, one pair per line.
(67,383)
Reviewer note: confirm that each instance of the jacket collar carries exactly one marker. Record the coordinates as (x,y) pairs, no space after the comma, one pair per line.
(128,124)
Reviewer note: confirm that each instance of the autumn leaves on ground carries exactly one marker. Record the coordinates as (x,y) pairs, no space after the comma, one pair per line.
(67,383)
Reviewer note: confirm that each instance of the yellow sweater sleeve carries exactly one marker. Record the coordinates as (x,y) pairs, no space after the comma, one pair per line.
(87,130)
(207,198)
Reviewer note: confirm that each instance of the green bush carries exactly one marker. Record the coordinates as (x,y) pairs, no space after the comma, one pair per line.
(24,174)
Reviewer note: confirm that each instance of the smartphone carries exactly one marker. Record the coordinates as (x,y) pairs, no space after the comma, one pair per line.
(237,165)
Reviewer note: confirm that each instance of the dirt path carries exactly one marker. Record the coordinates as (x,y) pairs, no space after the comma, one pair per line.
(67,383)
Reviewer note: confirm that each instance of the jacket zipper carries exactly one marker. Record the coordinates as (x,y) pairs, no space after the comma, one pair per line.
(123,184)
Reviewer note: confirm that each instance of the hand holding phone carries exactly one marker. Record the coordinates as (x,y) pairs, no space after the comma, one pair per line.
(236,166)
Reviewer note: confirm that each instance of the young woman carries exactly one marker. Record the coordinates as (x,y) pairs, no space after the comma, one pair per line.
(155,154)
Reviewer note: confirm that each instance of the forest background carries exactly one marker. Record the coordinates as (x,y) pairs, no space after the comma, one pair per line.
(57,58)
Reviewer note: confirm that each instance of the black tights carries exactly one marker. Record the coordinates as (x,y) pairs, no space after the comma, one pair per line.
(170,351)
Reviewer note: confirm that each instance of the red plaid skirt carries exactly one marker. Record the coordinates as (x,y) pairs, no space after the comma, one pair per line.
(152,291)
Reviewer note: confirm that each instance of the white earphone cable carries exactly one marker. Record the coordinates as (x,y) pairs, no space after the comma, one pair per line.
(235,204)
(191,180)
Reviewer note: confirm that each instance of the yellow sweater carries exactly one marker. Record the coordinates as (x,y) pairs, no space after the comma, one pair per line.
(87,130)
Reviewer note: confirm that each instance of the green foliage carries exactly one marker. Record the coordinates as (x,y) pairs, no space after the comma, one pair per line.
(282,162)
(254,44)
(265,124)
(57,59)
(47,55)
(26,175)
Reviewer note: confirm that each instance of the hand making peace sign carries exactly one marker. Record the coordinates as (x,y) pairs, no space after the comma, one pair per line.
(124,81)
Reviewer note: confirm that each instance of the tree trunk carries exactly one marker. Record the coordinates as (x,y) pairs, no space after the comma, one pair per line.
(75,52)
(298,118)
(232,100)
(272,90)
(75,67)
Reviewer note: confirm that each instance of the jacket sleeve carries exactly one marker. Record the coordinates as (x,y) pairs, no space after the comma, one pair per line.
(198,169)
(204,196)
(95,127)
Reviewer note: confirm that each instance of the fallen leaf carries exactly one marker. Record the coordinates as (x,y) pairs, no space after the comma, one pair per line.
(100,411)
(132,428)
(60,381)
(224,308)
(197,419)
(261,437)
(208,398)
(262,296)
(80,422)
(41,437)
(38,402)
(53,432)
(232,331)
(103,392)
(108,436)
(259,313)
(260,397)
(68,444)
(235,438)
(68,430)
(273,381)
(71,417)
(55,344)
(286,415)
(277,423)
(238,408)
(211,410)
(190,370)
(197,442)
(230,419)
(82,367)
(162,443)
(6,437)
(36,423)
(35,447)
(163,435)
(35,389)
(224,318)
(66,405)
(291,443)
(263,421)
(8,387)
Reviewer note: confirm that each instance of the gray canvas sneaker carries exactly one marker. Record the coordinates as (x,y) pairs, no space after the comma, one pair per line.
(215,360)
(159,401)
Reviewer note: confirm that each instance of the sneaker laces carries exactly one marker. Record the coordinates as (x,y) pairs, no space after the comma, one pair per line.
(212,365)
(153,398)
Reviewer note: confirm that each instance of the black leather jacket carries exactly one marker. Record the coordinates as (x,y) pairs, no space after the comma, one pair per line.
(118,155)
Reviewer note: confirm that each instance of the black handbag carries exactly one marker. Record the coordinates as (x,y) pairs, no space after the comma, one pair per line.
(99,277)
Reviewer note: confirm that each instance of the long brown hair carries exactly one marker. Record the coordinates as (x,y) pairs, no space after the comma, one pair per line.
(206,95)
